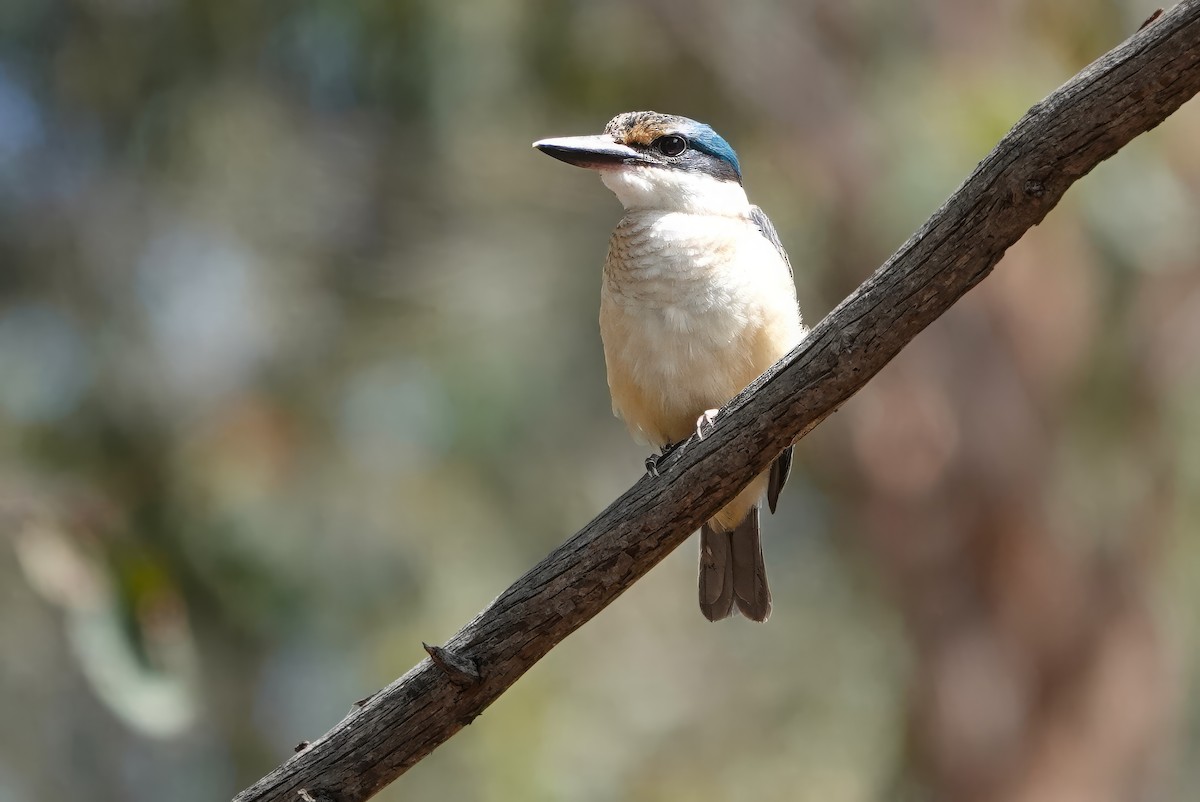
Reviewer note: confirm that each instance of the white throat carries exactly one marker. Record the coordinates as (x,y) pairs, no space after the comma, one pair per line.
(644,188)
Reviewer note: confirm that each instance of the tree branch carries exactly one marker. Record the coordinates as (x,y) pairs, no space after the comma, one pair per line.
(1127,92)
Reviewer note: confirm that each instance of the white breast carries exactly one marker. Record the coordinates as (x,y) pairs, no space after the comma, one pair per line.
(693,308)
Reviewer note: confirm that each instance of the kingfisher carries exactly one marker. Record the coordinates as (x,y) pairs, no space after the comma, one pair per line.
(697,301)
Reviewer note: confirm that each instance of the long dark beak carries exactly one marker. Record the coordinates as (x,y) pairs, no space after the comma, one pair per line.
(588,151)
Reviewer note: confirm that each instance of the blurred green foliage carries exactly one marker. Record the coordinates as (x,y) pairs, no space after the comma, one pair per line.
(299,367)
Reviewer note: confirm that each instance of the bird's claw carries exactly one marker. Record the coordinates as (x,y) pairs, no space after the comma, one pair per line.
(653,460)
(704,425)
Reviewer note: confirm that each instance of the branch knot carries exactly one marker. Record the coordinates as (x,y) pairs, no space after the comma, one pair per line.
(462,671)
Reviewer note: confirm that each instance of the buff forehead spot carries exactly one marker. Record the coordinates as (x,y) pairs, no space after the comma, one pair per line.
(638,127)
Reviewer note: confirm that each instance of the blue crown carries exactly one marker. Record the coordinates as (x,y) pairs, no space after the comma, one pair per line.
(706,140)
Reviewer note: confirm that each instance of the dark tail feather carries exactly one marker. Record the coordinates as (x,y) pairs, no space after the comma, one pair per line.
(750,589)
(716,573)
(732,571)
(780,468)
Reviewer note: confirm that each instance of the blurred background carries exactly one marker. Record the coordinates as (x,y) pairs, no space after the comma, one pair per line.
(299,366)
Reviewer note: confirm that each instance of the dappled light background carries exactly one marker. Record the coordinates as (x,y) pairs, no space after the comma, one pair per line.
(299,367)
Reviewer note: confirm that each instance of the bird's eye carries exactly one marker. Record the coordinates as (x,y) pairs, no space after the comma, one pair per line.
(670,145)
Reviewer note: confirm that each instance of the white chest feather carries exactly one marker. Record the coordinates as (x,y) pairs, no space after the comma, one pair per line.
(693,308)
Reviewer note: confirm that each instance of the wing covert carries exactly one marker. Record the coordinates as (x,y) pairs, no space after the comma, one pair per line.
(764,225)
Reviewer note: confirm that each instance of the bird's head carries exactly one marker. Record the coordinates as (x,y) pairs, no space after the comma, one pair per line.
(659,162)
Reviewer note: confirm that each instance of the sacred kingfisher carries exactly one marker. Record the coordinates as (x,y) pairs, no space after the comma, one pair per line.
(697,301)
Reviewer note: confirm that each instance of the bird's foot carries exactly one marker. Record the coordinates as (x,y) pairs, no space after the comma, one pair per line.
(704,423)
(653,460)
